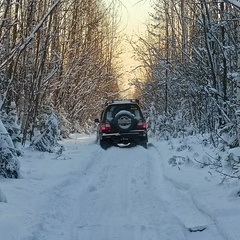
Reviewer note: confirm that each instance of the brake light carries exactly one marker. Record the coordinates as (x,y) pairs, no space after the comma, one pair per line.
(105,127)
(141,124)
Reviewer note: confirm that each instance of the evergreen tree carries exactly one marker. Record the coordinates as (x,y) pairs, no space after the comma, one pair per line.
(9,119)
(9,164)
(46,137)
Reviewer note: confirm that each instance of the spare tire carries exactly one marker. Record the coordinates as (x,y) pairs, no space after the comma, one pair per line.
(124,121)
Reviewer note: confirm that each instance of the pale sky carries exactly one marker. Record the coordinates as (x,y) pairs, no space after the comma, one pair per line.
(134,14)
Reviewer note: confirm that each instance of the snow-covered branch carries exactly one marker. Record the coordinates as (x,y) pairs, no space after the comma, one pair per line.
(235,3)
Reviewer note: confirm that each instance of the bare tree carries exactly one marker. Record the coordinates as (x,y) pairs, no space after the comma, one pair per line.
(58,53)
(192,62)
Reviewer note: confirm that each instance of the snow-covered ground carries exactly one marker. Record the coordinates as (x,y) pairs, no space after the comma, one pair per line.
(87,193)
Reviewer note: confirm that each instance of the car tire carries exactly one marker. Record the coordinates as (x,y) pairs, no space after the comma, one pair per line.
(104,144)
(144,144)
(124,122)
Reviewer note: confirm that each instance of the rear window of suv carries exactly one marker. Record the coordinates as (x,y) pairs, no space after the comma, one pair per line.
(112,110)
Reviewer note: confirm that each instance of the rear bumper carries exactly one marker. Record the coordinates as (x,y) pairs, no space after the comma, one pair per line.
(135,136)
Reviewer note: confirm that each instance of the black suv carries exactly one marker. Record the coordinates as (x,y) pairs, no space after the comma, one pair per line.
(122,122)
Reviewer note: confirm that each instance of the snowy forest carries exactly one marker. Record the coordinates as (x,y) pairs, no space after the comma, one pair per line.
(60,61)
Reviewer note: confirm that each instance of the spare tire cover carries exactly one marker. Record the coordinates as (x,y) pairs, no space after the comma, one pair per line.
(124,121)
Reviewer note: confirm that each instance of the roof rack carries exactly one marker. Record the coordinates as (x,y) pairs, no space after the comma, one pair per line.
(122,101)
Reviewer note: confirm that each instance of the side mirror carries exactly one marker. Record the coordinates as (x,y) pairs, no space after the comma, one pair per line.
(96,120)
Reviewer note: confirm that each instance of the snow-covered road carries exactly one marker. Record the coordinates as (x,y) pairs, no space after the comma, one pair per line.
(122,199)
(122,193)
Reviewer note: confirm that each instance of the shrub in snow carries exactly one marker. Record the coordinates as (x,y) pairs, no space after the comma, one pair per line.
(178,160)
(64,124)
(227,136)
(48,133)
(160,127)
(183,147)
(9,164)
(164,127)
(64,133)
(90,127)
(232,162)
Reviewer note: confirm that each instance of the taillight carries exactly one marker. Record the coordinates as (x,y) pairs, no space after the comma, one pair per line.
(105,127)
(141,124)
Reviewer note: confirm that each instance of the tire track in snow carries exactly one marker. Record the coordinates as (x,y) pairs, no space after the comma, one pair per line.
(105,200)
(121,193)
(156,209)
(187,209)
(121,201)
(54,221)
